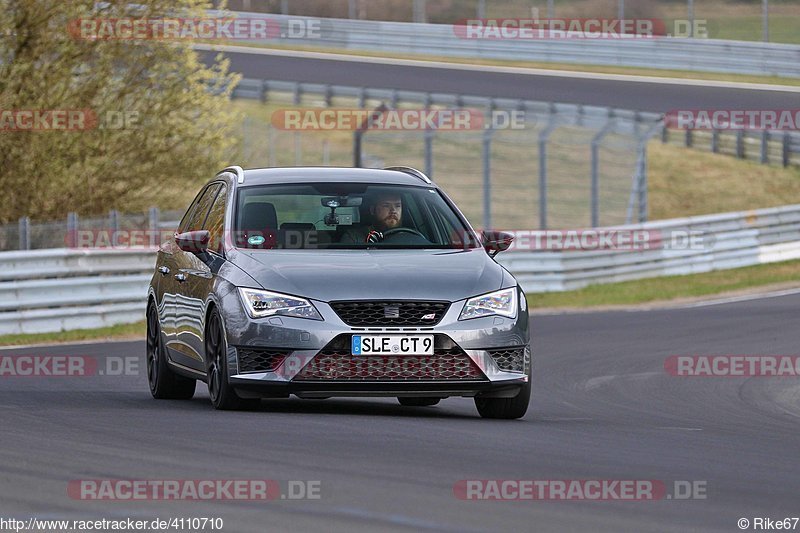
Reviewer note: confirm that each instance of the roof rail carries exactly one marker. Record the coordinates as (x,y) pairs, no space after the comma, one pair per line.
(235,170)
(412,172)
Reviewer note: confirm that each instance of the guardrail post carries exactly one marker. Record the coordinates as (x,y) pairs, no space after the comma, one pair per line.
(72,230)
(480,12)
(264,91)
(764,147)
(786,148)
(25,233)
(689,140)
(284,7)
(328,95)
(664,135)
(740,144)
(296,94)
(154,226)
(715,141)
(362,97)
(326,153)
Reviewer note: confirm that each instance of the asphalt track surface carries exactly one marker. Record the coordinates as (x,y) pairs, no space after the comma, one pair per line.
(624,94)
(603,408)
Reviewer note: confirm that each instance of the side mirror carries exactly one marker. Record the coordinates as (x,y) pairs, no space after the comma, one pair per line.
(195,242)
(495,242)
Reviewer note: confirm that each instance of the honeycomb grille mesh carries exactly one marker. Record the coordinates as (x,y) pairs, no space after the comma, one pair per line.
(260,359)
(509,359)
(390,313)
(339,365)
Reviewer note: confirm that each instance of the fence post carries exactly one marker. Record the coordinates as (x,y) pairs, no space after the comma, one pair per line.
(544,136)
(487,178)
(740,144)
(764,147)
(113,222)
(428,138)
(25,233)
(72,229)
(153,225)
(595,184)
(326,153)
(298,149)
(359,133)
(272,149)
(715,141)
(689,141)
(664,134)
(643,181)
(786,149)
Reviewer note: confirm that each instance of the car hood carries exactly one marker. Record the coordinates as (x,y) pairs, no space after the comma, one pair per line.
(328,275)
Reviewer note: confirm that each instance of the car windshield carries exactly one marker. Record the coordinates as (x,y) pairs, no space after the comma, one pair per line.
(346,216)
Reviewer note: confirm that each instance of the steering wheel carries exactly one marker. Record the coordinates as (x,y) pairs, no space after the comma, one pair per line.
(395,231)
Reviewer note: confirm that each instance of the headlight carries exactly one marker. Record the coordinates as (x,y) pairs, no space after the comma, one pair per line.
(260,304)
(502,303)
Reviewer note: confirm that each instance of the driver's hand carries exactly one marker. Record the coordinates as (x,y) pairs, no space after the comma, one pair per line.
(374,237)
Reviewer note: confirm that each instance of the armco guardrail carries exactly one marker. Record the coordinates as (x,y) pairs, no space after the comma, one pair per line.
(727,240)
(65,289)
(709,55)
(62,289)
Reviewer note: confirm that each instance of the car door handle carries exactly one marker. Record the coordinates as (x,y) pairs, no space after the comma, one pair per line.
(164,270)
(180,277)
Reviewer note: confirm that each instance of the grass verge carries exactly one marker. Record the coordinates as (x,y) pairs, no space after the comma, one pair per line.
(120,331)
(671,288)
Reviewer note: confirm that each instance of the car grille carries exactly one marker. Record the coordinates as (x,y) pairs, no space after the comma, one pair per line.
(260,359)
(339,365)
(390,313)
(509,359)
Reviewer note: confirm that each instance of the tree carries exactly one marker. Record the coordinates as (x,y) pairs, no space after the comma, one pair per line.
(154,123)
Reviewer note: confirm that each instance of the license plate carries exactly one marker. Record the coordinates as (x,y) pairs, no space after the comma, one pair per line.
(392,345)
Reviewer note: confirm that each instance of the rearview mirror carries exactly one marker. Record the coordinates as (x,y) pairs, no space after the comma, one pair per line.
(495,242)
(341,201)
(195,242)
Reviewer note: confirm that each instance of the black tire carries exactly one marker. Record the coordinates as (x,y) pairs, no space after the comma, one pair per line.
(164,383)
(418,402)
(223,397)
(506,408)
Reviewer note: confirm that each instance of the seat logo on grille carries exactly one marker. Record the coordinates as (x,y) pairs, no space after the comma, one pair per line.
(391,311)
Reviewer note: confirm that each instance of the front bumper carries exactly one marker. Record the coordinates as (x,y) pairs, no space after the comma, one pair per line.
(302,340)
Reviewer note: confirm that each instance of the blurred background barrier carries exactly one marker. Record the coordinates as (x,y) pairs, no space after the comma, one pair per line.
(442,40)
(63,289)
